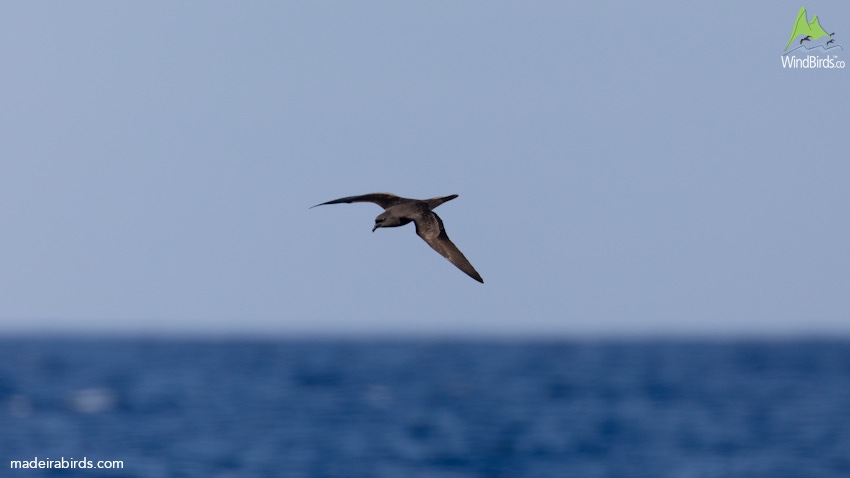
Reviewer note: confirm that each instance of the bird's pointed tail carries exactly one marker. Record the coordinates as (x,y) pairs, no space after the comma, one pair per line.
(434,202)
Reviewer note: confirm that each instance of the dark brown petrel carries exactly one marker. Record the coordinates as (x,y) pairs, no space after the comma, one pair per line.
(399,211)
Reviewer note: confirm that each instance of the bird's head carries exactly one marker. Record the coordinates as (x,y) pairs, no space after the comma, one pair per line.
(386,220)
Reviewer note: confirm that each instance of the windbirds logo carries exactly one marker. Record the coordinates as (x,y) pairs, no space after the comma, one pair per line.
(810,35)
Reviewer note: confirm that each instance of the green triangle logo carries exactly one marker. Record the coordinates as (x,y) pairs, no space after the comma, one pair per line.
(808,30)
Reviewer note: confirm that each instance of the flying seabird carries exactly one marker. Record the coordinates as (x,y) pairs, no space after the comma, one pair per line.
(806,38)
(399,211)
(831,41)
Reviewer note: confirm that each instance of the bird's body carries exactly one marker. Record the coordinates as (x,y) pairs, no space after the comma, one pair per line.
(399,211)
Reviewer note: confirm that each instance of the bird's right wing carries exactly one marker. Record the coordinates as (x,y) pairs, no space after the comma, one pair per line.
(430,228)
(384,200)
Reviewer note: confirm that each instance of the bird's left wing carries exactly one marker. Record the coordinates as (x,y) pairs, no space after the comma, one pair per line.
(384,200)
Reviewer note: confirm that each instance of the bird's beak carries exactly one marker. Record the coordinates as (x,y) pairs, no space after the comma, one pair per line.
(373,229)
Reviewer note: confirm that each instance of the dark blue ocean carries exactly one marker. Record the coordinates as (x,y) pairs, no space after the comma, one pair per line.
(426,408)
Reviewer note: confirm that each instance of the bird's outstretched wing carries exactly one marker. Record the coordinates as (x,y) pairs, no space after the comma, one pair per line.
(384,200)
(430,228)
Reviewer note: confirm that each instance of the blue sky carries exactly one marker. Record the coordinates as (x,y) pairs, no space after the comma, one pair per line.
(623,169)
